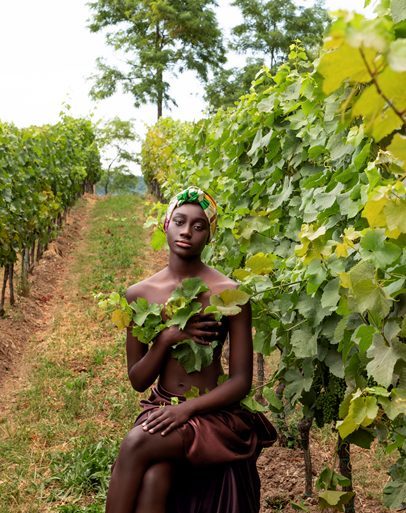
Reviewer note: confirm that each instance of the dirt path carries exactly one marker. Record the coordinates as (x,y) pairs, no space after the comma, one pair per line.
(33,314)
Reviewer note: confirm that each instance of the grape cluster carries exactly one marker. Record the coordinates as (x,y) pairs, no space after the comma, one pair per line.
(328,400)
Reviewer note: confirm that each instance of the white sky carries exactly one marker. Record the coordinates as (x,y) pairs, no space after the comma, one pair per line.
(47,54)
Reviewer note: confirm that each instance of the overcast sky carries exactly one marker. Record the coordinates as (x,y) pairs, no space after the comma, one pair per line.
(47,54)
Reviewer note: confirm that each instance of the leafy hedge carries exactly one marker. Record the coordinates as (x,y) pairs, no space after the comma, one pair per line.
(42,172)
(309,177)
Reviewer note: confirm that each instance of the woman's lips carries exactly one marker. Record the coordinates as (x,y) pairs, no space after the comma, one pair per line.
(183,244)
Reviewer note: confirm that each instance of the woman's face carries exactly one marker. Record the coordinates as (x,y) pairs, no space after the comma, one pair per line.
(188,230)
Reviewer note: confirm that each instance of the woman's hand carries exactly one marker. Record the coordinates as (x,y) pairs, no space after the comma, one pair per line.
(203,329)
(167,418)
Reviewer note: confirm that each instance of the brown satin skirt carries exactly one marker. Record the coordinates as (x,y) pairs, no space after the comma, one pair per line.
(219,474)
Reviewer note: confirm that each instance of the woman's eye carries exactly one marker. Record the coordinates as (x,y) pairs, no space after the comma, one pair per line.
(178,222)
(199,227)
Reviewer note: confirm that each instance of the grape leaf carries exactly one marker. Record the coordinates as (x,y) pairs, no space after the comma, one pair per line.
(384,358)
(361,437)
(344,63)
(304,343)
(143,310)
(275,404)
(375,248)
(229,300)
(189,288)
(397,404)
(121,319)
(329,498)
(395,215)
(397,55)
(183,314)
(192,392)
(193,356)
(158,239)
(148,332)
(252,404)
(365,293)
(398,148)
(363,336)
(331,296)
(398,10)
(260,263)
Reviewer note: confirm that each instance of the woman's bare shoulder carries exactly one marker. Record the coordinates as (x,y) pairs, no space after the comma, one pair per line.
(218,281)
(145,287)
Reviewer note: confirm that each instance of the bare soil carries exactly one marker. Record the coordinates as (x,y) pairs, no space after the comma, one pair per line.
(281,469)
(32,313)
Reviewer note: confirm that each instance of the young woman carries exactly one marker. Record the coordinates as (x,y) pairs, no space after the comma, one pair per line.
(196,455)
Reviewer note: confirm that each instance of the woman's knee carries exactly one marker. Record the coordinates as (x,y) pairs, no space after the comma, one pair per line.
(157,479)
(135,443)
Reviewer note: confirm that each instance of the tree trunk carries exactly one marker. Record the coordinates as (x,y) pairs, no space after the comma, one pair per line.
(281,425)
(159,101)
(11,283)
(159,73)
(24,272)
(107,183)
(32,258)
(3,290)
(344,456)
(260,376)
(39,251)
(304,427)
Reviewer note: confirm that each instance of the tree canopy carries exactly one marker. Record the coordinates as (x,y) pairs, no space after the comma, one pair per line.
(271,26)
(157,37)
(268,30)
(113,139)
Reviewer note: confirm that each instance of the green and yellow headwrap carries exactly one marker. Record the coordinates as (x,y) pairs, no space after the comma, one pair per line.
(194,195)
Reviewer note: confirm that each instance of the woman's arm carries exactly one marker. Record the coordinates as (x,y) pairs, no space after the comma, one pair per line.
(233,390)
(144,365)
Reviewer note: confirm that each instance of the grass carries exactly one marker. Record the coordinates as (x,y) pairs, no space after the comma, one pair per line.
(62,430)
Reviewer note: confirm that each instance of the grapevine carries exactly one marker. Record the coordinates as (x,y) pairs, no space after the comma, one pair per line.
(309,177)
(52,166)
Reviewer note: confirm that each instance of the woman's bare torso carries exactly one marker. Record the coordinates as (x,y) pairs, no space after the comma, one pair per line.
(173,376)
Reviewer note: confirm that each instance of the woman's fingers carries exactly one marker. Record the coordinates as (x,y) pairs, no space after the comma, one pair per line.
(156,424)
(201,341)
(168,429)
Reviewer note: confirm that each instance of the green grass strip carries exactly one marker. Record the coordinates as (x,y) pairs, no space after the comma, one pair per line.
(63,429)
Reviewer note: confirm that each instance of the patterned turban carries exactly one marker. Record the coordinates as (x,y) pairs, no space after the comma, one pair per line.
(194,195)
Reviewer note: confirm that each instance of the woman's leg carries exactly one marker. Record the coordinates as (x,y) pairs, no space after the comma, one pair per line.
(154,489)
(138,451)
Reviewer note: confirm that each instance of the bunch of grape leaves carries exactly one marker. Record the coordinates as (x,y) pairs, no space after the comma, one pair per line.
(147,318)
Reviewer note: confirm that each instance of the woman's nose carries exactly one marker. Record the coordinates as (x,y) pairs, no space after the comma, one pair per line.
(186,230)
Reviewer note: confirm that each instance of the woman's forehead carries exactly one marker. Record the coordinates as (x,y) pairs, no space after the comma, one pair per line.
(189,210)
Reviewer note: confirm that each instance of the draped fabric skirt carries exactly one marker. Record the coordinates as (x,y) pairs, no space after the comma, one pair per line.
(219,473)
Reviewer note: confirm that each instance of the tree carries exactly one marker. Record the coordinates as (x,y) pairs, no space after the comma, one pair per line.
(230,84)
(156,36)
(113,138)
(270,27)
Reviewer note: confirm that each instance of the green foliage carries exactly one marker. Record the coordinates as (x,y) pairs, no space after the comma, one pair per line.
(329,496)
(309,190)
(155,37)
(270,27)
(228,85)
(113,139)
(84,470)
(159,152)
(372,56)
(193,356)
(394,494)
(50,166)
(147,321)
